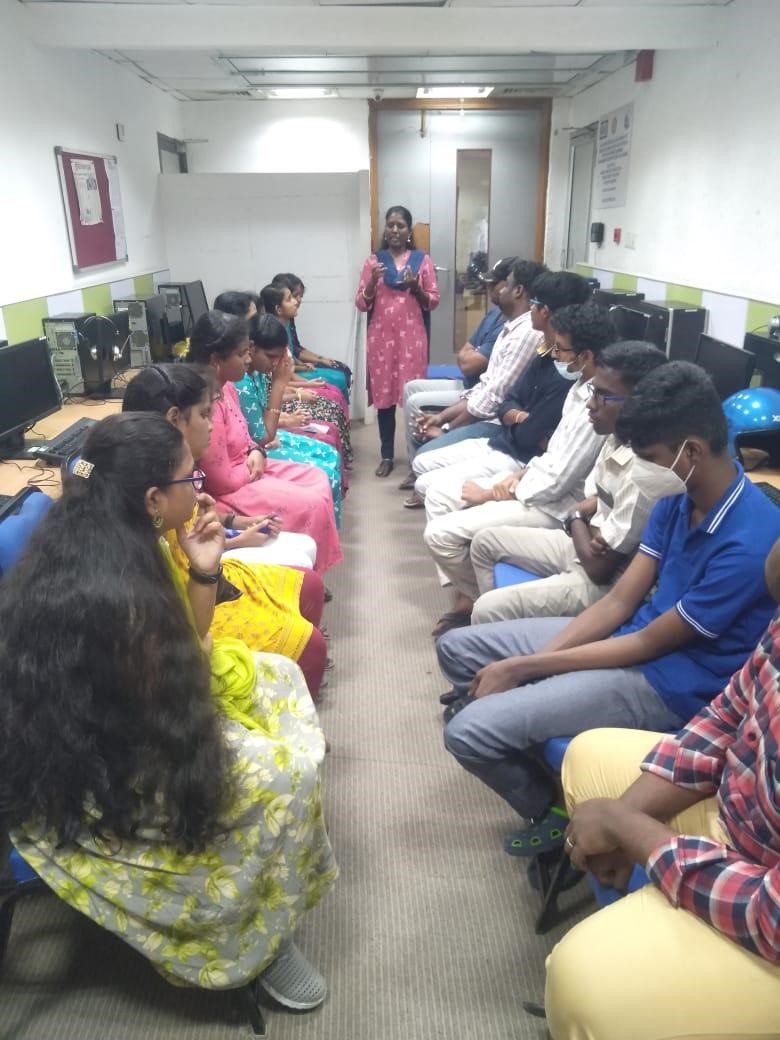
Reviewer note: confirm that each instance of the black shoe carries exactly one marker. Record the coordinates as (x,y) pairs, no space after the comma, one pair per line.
(457,705)
(384,469)
(449,697)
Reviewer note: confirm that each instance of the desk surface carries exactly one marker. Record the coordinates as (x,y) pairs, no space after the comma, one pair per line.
(16,475)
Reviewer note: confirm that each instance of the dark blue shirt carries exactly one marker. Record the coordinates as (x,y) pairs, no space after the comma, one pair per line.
(713,576)
(484,338)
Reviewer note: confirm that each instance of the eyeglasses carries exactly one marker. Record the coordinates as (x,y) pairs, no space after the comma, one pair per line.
(537,303)
(557,350)
(197,480)
(599,395)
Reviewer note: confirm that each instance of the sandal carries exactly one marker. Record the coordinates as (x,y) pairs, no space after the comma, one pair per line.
(545,835)
(414,502)
(408,482)
(452,619)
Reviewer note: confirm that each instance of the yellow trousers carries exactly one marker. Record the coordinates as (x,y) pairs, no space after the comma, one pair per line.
(641,969)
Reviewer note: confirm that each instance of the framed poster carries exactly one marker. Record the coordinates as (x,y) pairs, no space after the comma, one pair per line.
(93,208)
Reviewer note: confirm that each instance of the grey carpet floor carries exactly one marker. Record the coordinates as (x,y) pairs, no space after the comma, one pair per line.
(429,931)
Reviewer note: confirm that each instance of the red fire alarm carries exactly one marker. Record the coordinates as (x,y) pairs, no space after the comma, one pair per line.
(617,234)
(644,66)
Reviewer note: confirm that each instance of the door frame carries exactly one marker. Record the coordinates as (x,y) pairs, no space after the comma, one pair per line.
(541,105)
(586,133)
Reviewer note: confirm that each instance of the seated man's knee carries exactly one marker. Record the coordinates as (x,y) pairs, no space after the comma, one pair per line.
(577,998)
(457,738)
(491,606)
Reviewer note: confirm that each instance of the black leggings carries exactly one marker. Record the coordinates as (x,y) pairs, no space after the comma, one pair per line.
(386,421)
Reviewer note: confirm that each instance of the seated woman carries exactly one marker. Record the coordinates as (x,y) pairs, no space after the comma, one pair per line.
(313,366)
(238,474)
(175,805)
(302,401)
(282,305)
(260,398)
(279,609)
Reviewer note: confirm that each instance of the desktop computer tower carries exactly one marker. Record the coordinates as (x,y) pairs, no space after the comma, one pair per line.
(145,322)
(184,303)
(615,297)
(675,327)
(75,362)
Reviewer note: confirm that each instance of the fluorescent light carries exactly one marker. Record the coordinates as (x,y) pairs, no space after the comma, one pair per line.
(299,93)
(453,93)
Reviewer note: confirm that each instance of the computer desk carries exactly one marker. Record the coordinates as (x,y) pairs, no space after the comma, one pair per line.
(14,475)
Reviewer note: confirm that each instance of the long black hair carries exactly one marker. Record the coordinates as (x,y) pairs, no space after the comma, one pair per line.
(158,388)
(215,333)
(106,714)
(266,332)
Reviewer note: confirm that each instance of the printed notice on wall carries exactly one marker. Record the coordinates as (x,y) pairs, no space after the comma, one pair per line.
(85,179)
(614,148)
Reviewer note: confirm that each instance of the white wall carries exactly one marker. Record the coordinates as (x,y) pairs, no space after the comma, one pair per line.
(703,200)
(327,136)
(235,231)
(53,98)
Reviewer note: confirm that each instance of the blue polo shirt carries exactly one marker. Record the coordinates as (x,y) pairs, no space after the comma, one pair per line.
(713,576)
(484,338)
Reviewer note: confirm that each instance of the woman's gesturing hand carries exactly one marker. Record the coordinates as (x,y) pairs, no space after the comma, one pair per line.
(203,542)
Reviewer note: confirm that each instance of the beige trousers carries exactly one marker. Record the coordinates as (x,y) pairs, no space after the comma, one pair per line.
(563,589)
(641,969)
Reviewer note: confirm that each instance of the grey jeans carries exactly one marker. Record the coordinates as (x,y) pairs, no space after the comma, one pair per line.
(498,738)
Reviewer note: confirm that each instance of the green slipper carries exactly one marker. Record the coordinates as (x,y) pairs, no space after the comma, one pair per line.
(544,835)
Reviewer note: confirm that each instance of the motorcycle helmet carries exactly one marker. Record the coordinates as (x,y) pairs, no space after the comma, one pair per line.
(753,417)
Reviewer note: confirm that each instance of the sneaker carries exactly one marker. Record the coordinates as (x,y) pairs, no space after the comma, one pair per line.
(292,981)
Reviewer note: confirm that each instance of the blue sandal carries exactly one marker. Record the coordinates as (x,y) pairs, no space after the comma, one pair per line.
(545,835)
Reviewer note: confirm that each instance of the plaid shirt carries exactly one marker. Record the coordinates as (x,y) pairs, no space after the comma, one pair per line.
(731,749)
(513,352)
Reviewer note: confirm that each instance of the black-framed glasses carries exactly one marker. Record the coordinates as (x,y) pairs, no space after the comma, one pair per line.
(557,350)
(599,395)
(197,480)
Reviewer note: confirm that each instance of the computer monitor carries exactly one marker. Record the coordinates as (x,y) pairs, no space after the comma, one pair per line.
(29,391)
(630,324)
(185,302)
(729,367)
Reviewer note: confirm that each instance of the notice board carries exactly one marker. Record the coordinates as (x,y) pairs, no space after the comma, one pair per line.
(93,208)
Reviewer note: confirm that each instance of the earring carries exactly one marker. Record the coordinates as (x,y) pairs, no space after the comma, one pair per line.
(157,521)
(409,241)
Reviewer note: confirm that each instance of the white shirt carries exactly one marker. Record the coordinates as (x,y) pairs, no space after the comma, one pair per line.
(512,354)
(555,481)
(623,509)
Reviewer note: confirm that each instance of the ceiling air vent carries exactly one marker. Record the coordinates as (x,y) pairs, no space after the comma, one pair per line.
(383,3)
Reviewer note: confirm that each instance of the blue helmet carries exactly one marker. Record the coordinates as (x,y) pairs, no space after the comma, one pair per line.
(753,417)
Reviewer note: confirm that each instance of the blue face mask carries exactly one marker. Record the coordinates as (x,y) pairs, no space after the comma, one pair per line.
(562,368)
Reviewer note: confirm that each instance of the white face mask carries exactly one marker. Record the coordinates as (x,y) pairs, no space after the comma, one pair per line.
(660,481)
(562,367)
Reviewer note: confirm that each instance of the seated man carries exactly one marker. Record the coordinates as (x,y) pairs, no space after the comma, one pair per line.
(472,358)
(630,661)
(578,564)
(703,818)
(474,414)
(544,492)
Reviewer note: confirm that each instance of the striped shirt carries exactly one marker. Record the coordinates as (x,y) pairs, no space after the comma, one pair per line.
(731,749)
(622,509)
(555,481)
(513,352)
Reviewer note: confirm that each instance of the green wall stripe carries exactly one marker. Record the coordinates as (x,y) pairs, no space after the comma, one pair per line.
(759,313)
(625,281)
(97,298)
(144,285)
(584,270)
(23,320)
(684,293)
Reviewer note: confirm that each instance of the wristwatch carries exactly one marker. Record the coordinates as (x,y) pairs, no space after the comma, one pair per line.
(576,515)
(445,426)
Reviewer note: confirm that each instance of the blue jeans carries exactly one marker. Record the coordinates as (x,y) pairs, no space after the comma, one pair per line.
(498,738)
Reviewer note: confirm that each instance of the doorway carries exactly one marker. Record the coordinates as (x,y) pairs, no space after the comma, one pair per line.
(582,160)
(477,175)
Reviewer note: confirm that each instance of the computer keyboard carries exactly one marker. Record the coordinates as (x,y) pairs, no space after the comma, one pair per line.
(771,492)
(65,444)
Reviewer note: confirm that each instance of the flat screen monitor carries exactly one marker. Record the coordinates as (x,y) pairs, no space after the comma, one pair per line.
(729,367)
(630,324)
(29,391)
(185,302)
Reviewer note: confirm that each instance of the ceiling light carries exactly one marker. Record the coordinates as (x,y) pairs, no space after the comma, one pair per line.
(298,93)
(453,93)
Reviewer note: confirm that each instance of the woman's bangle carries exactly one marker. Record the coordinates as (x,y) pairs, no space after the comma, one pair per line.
(368,299)
(276,411)
(230,519)
(205,579)
(260,448)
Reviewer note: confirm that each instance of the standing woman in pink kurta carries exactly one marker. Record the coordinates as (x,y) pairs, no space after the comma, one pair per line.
(398,291)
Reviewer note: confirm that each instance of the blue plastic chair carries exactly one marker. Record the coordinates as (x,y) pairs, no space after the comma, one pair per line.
(444,372)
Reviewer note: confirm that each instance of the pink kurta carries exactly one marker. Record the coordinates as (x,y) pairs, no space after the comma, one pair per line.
(397,345)
(300,494)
